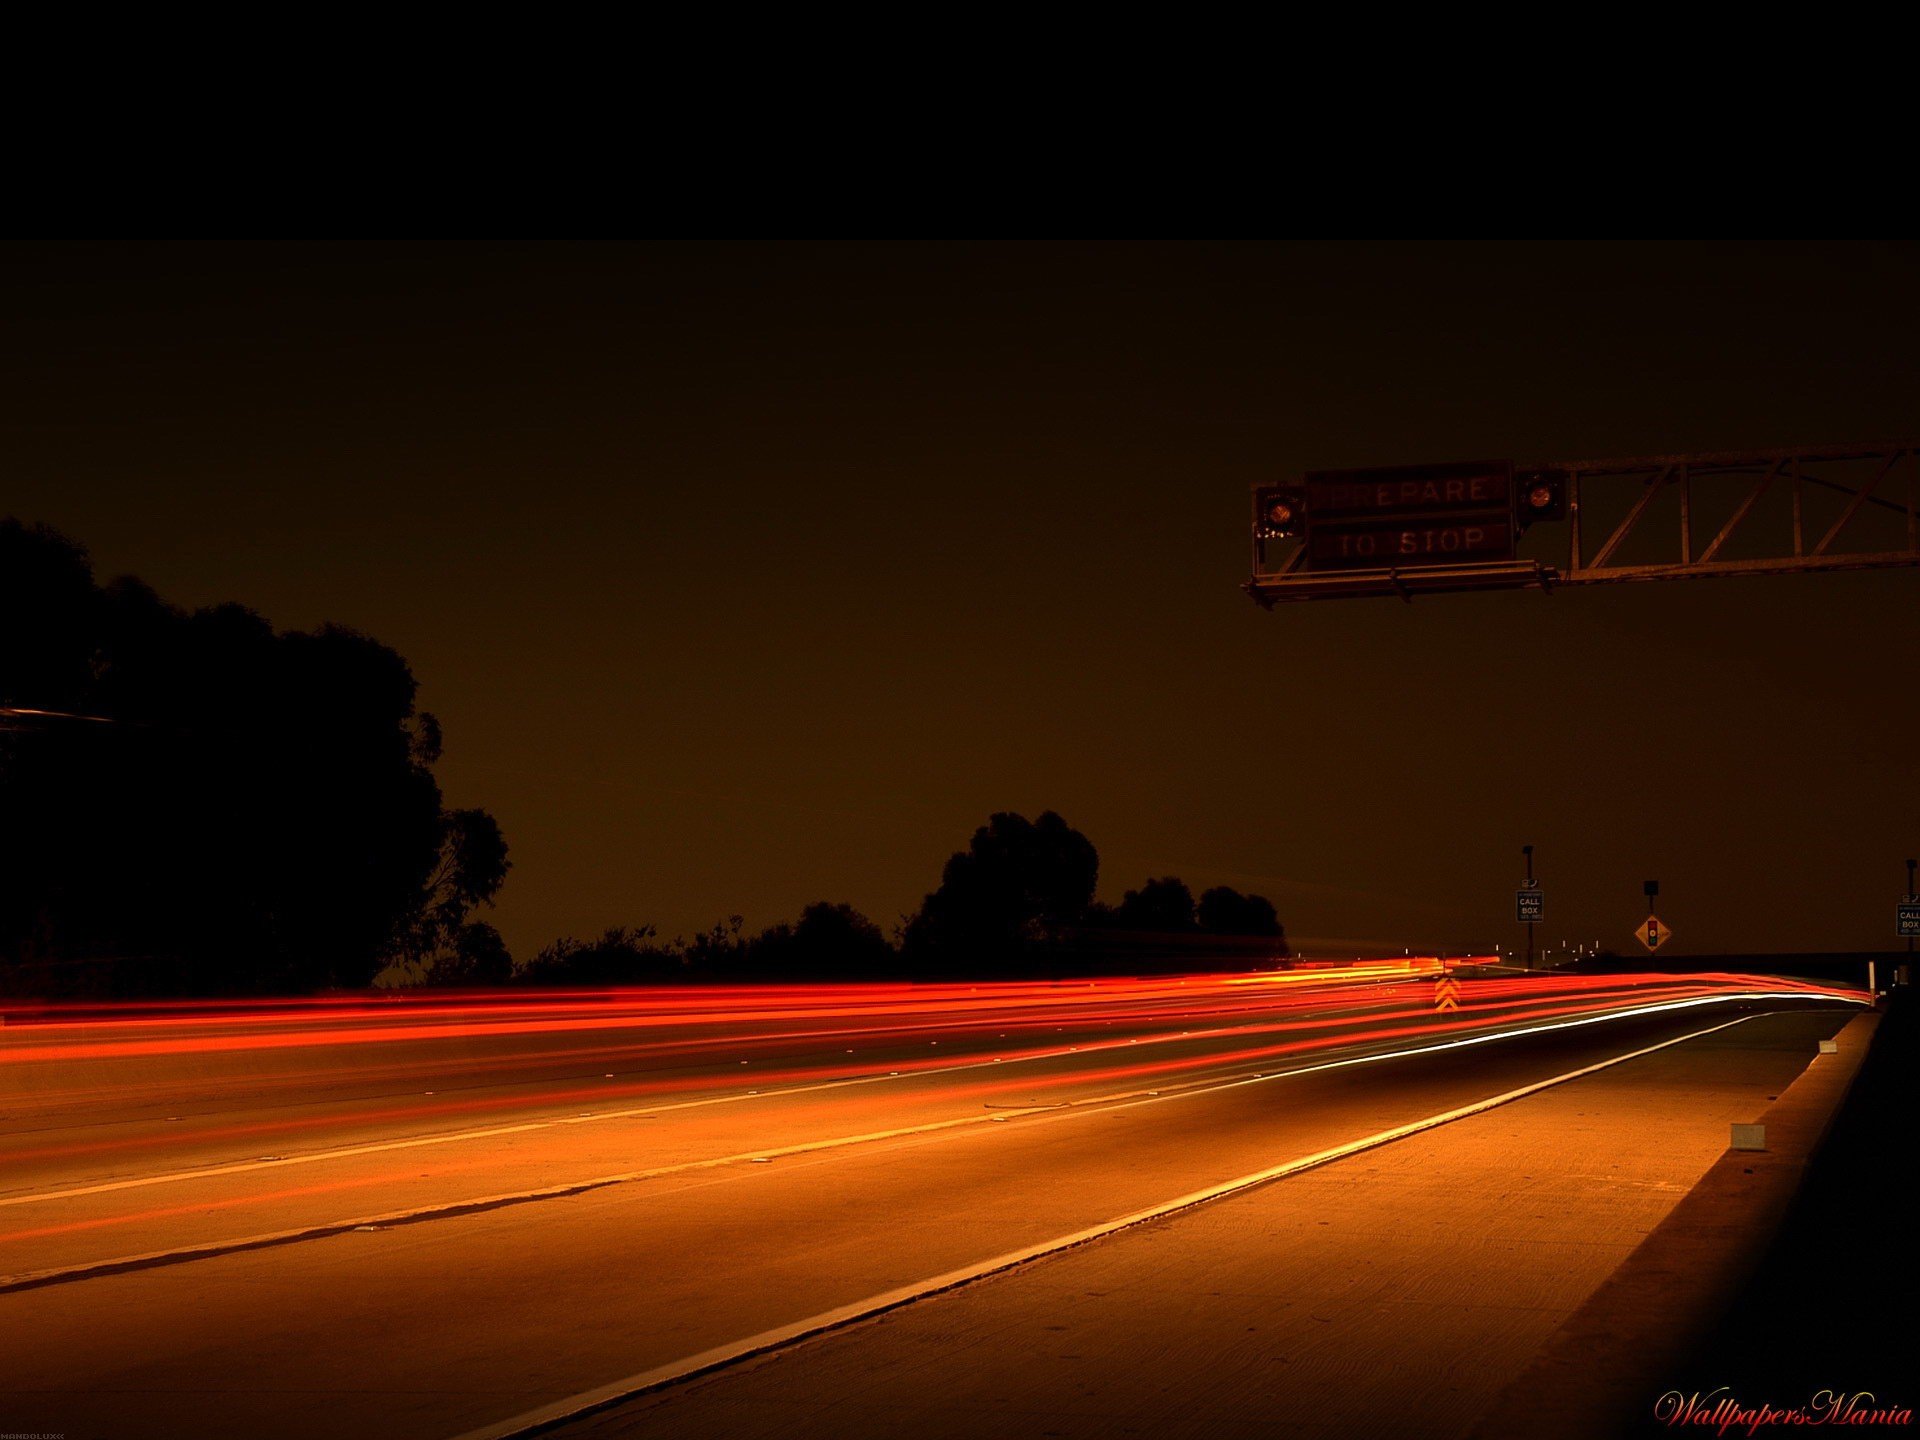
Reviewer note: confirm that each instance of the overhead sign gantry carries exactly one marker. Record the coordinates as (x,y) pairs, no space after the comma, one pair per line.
(1498,525)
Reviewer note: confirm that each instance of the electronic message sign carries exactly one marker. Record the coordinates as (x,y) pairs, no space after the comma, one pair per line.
(1406,516)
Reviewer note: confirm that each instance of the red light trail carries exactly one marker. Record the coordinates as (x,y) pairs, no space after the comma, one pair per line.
(167,1135)
(63,1055)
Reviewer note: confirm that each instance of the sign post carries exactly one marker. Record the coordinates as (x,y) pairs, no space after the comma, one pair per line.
(1653,932)
(1906,924)
(1529,904)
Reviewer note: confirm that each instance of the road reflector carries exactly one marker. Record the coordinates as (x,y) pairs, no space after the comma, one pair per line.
(1749,1137)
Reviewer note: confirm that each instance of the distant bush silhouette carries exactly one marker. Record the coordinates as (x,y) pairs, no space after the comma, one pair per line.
(247,810)
(621,956)
(1017,902)
(829,942)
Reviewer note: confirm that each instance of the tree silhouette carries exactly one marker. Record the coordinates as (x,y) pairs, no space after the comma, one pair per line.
(1163,906)
(471,867)
(1018,901)
(242,810)
(1225,911)
(474,956)
(1003,900)
(829,942)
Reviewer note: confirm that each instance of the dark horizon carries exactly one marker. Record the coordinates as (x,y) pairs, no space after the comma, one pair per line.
(742,577)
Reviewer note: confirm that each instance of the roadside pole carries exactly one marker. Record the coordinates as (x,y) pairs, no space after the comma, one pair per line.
(1527,850)
(1907,923)
(1653,932)
(1529,905)
(1913,897)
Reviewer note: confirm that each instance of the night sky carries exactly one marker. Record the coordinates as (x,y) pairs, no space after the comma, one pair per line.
(743,576)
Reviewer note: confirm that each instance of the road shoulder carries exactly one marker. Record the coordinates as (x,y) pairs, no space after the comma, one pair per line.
(1603,1371)
(1363,1297)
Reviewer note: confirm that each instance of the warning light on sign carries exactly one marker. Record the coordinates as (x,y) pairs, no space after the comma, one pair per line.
(1282,512)
(1541,497)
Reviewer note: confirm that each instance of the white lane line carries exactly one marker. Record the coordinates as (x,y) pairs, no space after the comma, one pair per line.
(1037,1115)
(243,1167)
(676,1371)
(1104,1104)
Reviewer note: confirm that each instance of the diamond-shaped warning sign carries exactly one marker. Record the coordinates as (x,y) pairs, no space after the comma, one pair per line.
(1653,932)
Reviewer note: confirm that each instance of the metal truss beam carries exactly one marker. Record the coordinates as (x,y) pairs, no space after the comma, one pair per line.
(1630,489)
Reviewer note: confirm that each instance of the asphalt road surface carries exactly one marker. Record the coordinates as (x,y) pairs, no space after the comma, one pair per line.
(429,1218)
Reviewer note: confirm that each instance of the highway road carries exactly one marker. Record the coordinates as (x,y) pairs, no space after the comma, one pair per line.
(440,1215)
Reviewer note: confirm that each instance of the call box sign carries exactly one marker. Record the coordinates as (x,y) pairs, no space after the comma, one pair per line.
(1405,516)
